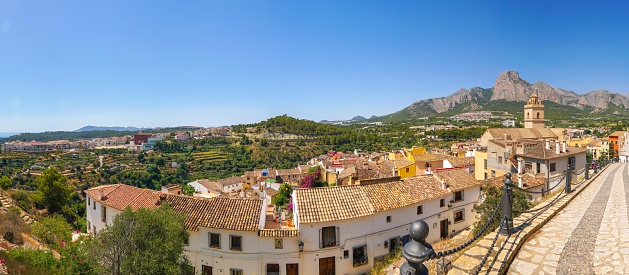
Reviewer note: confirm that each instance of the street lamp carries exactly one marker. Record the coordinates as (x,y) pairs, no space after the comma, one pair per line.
(301,246)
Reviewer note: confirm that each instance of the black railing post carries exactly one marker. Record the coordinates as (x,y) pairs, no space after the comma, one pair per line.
(595,163)
(506,225)
(568,179)
(587,172)
(417,250)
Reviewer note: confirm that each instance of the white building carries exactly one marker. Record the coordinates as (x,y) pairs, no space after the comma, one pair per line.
(337,230)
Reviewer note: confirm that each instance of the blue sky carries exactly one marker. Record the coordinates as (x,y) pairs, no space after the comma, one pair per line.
(67,64)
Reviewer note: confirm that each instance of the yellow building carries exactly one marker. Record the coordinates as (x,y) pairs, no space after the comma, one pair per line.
(480,166)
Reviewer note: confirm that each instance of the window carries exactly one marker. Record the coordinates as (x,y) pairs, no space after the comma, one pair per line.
(186,241)
(329,236)
(89,224)
(493,173)
(458,196)
(214,240)
(94,205)
(88,201)
(420,210)
(459,216)
(388,219)
(235,242)
(408,170)
(235,271)
(571,162)
(552,167)
(103,213)
(359,255)
(346,254)
(539,168)
(500,160)
(484,164)
(272,269)
(442,203)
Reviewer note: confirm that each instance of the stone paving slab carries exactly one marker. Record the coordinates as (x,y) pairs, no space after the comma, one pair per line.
(586,237)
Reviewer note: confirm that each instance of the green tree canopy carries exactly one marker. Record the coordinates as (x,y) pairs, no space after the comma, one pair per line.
(55,188)
(146,241)
(5,182)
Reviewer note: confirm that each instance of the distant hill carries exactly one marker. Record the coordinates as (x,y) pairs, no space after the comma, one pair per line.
(109,128)
(7,134)
(358,118)
(288,125)
(509,94)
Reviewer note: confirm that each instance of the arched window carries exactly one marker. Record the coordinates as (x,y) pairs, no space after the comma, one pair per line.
(537,115)
(528,115)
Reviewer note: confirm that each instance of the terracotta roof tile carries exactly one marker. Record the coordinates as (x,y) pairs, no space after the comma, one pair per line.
(121,196)
(221,213)
(457,179)
(326,204)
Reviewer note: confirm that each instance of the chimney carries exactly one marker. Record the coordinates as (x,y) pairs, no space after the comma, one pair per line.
(520,160)
(548,144)
(102,194)
(519,149)
(557,149)
(564,146)
(520,181)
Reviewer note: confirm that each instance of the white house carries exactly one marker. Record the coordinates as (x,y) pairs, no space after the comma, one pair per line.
(337,230)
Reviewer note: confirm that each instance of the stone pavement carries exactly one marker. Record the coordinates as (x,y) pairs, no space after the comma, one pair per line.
(589,236)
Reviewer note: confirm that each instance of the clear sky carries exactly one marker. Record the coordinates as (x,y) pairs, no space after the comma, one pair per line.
(67,64)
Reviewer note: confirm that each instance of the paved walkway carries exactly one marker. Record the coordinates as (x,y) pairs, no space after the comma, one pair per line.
(589,236)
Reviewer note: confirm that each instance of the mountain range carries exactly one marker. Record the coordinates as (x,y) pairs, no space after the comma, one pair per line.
(509,92)
(109,128)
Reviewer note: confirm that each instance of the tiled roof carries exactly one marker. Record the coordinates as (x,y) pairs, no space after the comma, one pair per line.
(211,185)
(617,134)
(457,179)
(278,233)
(522,133)
(425,188)
(402,162)
(390,195)
(540,152)
(230,181)
(270,192)
(121,196)
(325,204)
(457,162)
(428,157)
(347,172)
(220,213)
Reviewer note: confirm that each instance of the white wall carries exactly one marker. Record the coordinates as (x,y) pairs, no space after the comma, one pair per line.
(198,187)
(93,216)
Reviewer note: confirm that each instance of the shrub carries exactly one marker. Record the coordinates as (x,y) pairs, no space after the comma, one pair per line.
(38,199)
(12,226)
(53,231)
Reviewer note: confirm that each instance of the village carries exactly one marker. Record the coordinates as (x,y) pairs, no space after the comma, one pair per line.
(239,224)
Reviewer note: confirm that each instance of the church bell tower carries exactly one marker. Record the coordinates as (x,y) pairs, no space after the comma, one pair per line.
(534,113)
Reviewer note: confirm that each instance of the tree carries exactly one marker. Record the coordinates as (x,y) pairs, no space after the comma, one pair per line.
(283,195)
(146,241)
(493,197)
(5,182)
(55,188)
(187,190)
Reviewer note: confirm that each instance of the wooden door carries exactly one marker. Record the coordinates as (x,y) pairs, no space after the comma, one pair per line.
(292,269)
(326,266)
(444,229)
(206,270)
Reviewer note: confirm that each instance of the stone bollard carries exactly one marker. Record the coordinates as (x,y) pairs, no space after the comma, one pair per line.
(506,225)
(568,179)
(417,250)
